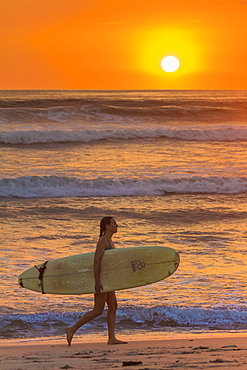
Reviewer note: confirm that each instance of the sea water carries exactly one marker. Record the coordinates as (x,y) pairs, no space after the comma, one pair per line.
(169,166)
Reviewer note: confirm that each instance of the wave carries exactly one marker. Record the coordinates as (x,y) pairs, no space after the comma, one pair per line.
(67,111)
(160,316)
(215,133)
(69,107)
(61,186)
(151,318)
(115,114)
(64,113)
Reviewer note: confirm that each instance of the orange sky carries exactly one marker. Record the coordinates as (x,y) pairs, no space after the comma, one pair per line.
(119,44)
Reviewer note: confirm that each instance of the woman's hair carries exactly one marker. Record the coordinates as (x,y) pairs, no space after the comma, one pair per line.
(105,221)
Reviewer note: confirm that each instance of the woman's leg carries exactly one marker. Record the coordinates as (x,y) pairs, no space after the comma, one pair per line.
(99,304)
(111,318)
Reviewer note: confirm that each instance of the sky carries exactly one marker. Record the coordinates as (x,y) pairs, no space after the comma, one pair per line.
(119,44)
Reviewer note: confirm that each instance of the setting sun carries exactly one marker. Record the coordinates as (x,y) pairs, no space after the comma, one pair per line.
(170,64)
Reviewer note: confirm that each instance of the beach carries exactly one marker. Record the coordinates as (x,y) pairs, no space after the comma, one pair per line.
(214,352)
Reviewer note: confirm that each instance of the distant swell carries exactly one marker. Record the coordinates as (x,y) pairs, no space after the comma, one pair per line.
(55,186)
(66,107)
(213,133)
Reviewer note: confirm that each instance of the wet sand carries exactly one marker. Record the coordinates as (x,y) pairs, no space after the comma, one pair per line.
(186,353)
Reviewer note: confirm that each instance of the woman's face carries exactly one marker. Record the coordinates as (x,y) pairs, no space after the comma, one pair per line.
(113,226)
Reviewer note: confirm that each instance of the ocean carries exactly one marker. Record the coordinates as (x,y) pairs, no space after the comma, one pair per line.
(169,166)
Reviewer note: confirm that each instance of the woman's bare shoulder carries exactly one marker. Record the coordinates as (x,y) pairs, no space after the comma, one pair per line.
(102,243)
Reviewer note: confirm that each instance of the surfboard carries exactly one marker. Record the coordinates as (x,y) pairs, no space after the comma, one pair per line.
(121,268)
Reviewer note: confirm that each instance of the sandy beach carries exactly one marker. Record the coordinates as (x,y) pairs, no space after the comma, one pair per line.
(198,353)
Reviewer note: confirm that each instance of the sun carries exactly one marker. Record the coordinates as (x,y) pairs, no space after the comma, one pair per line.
(170,64)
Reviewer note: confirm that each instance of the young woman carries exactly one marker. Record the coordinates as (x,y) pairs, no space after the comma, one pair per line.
(108,227)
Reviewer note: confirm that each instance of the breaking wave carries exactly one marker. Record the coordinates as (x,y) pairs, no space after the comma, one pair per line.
(55,186)
(212,133)
(156,317)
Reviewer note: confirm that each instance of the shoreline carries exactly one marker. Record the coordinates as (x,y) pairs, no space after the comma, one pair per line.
(102,337)
(214,351)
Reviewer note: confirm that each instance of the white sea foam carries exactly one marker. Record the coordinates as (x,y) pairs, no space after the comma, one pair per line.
(158,317)
(55,186)
(195,133)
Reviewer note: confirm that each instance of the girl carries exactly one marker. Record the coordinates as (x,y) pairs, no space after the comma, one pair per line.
(108,227)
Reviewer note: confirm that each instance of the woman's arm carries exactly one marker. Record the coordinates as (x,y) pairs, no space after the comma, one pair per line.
(100,250)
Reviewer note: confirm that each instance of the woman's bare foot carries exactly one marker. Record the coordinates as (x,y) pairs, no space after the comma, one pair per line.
(69,334)
(116,341)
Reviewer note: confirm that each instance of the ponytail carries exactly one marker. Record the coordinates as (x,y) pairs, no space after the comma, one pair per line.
(105,221)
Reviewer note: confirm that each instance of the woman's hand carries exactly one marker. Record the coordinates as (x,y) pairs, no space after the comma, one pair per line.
(98,287)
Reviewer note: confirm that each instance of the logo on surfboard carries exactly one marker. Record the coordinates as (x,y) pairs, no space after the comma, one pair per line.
(137,265)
